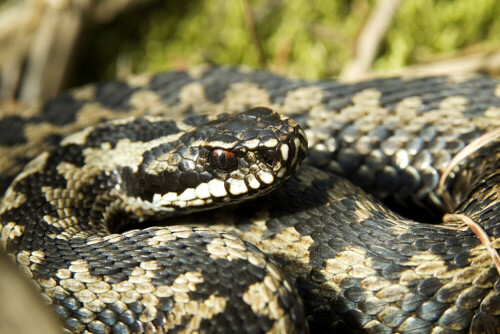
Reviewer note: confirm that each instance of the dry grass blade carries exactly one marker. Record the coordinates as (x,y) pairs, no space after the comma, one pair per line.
(369,40)
(472,147)
(38,40)
(479,232)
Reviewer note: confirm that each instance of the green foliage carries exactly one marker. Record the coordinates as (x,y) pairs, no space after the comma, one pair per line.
(307,38)
(310,39)
(425,28)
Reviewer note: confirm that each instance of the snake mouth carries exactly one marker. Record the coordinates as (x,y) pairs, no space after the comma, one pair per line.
(227,160)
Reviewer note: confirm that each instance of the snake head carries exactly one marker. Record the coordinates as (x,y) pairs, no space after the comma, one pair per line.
(228,159)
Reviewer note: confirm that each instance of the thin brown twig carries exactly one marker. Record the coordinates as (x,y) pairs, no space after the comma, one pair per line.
(253,34)
(472,147)
(479,232)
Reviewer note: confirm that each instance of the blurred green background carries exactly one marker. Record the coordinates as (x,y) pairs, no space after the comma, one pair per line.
(309,39)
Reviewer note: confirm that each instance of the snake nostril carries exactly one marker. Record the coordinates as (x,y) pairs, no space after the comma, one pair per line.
(268,157)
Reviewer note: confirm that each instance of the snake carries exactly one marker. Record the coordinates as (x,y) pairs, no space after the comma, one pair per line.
(228,199)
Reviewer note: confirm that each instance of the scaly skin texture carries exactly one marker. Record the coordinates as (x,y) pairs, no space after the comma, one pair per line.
(357,265)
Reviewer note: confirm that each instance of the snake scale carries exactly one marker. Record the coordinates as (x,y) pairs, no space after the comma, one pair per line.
(93,181)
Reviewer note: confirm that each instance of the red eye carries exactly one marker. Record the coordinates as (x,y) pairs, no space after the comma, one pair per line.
(223,160)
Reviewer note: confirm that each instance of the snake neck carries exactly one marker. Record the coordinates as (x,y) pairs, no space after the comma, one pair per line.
(126,172)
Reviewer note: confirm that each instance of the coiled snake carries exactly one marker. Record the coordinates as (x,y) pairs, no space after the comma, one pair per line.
(92,219)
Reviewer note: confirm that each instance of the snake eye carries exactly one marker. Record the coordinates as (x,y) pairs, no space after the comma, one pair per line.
(223,160)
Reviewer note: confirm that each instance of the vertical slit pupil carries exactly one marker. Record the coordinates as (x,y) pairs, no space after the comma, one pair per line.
(222,160)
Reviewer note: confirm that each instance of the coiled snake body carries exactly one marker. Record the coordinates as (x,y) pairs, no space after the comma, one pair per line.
(92,219)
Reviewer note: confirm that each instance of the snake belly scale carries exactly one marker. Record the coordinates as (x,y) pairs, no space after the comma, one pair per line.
(115,204)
